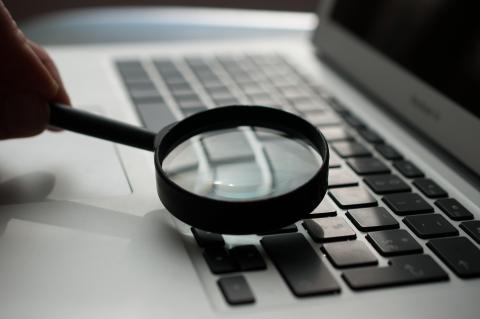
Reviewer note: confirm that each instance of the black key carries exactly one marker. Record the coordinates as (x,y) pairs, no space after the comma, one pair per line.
(352,197)
(287,229)
(131,69)
(219,260)
(459,253)
(236,290)
(145,96)
(299,265)
(354,121)
(408,169)
(153,99)
(430,226)
(324,230)
(155,116)
(184,100)
(388,152)
(335,133)
(336,105)
(372,219)
(429,188)
(472,228)
(341,177)
(175,79)
(248,257)
(350,149)
(385,184)
(407,204)
(370,136)
(207,239)
(325,209)
(349,254)
(368,165)
(401,271)
(181,89)
(453,209)
(394,242)
(140,85)
(190,111)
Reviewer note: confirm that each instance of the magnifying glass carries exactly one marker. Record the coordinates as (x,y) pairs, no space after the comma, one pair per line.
(229,170)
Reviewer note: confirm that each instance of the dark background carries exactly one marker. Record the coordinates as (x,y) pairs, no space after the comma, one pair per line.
(25,9)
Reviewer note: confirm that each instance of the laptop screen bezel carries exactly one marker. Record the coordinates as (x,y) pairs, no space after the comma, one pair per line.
(429,111)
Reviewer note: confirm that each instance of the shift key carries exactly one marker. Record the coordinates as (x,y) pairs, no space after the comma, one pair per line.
(299,265)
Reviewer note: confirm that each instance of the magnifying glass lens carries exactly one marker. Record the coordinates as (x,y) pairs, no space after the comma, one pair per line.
(242,164)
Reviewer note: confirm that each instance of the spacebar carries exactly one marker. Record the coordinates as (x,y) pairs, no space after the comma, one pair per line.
(299,265)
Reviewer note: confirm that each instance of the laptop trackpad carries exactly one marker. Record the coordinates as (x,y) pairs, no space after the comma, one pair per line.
(67,165)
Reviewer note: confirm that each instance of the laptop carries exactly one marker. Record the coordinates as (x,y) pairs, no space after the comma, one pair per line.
(392,86)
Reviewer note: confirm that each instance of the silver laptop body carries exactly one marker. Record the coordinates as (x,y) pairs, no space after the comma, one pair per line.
(97,243)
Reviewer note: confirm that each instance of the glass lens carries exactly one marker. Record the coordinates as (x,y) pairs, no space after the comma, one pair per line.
(242,164)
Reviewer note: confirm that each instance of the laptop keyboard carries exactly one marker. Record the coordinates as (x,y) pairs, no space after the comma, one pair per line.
(363,163)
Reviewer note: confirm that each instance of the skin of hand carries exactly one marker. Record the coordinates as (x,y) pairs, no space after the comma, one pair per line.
(29,80)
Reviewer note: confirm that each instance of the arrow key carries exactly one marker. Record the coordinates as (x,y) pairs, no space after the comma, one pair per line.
(459,253)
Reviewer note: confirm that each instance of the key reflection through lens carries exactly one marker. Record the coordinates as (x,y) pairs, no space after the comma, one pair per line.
(242,164)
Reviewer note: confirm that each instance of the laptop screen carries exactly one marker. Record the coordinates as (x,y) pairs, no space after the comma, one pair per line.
(436,40)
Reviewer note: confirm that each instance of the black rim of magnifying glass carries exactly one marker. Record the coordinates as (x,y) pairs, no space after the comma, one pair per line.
(244,217)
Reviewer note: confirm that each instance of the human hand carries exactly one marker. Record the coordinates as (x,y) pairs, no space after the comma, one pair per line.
(29,80)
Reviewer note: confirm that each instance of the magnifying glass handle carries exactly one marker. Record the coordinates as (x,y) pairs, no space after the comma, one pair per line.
(90,124)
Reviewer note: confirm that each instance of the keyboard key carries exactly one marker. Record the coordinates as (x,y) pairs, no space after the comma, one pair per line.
(385,184)
(430,226)
(354,121)
(299,265)
(453,209)
(329,229)
(349,254)
(429,188)
(352,197)
(341,177)
(236,290)
(370,136)
(368,165)
(372,219)
(248,257)
(219,260)
(401,271)
(350,149)
(388,152)
(155,116)
(472,228)
(394,242)
(283,230)
(325,209)
(308,104)
(207,239)
(459,253)
(226,102)
(336,105)
(142,94)
(407,204)
(408,169)
(335,133)
(324,118)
